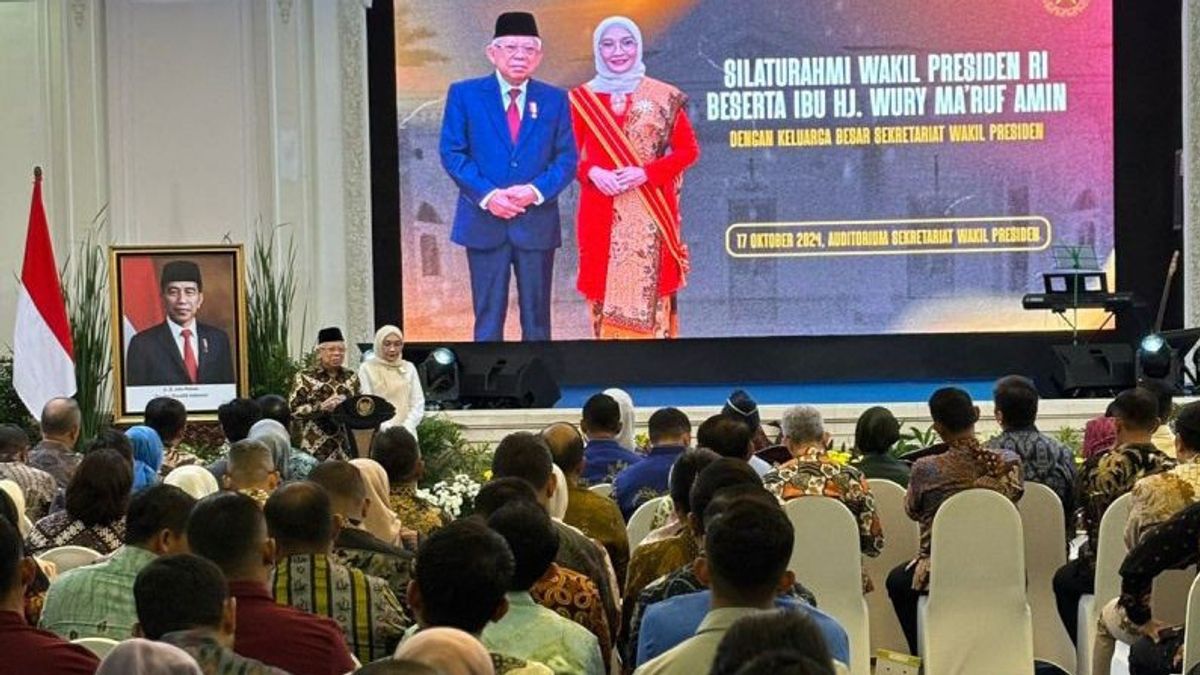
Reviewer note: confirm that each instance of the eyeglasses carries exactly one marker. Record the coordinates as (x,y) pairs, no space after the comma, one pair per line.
(511,49)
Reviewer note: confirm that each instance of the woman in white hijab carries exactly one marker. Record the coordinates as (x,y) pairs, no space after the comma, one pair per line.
(627,438)
(138,656)
(635,143)
(197,481)
(390,377)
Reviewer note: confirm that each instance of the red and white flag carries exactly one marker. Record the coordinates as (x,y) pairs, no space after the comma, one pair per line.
(43,364)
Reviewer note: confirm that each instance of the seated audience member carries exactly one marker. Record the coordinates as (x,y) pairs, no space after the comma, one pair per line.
(603,456)
(26,649)
(730,436)
(55,454)
(251,470)
(672,620)
(529,630)
(964,465)
(293,463)
(168,418)
(195,480)
(628,437)
(1101,480)
(875,433)
(526,456)
(1163,437)
(397,452)
(561,590)
(229,529)
(111,438)
(97,600)
(96,500)
(35,592)
(1159,496)
(355,546)
(670,436)
(462,576)
(147,456)
(780,630)
(398,666)
(812,474)
(1044,458)
(183,600)
(742,407)
(741,584)
(37,486)
(447,651)
(596,516)
(381,520)
(784,662)
(139,656)
(733,482)
(306,576)
(1099,436)
(236,418)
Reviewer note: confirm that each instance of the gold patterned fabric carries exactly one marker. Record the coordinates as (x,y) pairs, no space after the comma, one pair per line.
(318,434)
(573,596)
(599,518)
(416,513)
(1157,497)
(651,561)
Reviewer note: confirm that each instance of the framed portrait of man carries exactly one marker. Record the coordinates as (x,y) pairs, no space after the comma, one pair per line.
(178,327)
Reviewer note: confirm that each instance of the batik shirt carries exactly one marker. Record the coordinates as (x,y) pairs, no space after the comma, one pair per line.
(1173,545)
(202,645)
(651,561)
(60,529)
(364,551)
(38,487)
(573,596)
(96,600)
(813,474)
(577,552)
(511,665)
(55,459)
(530,631)
(599,518)
(962,466)
(1045,460)
(318,434)
(416,513)
(364,607)
(1157,497)
(1104,478)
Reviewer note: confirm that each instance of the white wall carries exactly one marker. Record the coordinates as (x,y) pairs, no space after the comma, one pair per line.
(194,120)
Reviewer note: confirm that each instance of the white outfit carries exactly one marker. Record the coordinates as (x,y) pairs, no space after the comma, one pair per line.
(410,412)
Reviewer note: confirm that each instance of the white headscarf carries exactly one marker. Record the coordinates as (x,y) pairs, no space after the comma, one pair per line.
(606,81)
(558,503)
(195,480)
(627,438)
(138,656)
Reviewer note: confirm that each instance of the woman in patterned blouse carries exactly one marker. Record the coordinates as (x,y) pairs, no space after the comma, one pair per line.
(97,498)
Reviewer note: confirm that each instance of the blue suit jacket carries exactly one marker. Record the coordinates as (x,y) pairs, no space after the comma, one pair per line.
(478,153)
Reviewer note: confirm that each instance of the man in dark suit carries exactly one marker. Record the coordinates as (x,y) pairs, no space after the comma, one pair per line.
(507,143)
(180,350)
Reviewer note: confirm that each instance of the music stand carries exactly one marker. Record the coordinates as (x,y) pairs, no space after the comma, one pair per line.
(360,417)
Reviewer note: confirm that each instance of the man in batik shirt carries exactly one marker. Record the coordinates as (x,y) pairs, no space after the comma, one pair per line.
(398,452)
(317,391)
(36,485)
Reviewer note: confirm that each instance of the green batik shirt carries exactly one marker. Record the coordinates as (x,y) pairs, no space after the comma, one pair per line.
(96,600)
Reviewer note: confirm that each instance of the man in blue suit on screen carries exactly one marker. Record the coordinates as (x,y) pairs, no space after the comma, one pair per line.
(507,143)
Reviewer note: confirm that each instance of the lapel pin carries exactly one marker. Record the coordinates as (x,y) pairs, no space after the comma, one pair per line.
(533,109)
(204,346)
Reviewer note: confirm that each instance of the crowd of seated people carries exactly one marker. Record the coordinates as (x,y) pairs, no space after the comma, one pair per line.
(269,560)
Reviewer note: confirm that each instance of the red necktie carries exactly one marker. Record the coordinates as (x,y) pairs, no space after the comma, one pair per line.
(514,115)
(189,354)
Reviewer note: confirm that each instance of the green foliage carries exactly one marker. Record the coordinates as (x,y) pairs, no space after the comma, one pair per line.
(85,292)
(446,452)
(913,439)
(12,409)
(271,296)
(1072,438)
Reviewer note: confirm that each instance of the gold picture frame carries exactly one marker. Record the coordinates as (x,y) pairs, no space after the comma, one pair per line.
(202,363)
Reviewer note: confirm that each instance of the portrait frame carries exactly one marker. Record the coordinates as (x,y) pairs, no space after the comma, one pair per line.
(150,354)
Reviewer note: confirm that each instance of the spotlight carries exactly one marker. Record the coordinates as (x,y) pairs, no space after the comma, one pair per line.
(1154,358)
(439,378)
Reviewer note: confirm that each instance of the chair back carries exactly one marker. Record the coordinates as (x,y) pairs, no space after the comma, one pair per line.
(69,557)
(602,489)
(1170,596)
(642,521)
(978,619)
(903,540)
(97,645)
(1191,638)
(826,558)
(1045,551)
(1110,553)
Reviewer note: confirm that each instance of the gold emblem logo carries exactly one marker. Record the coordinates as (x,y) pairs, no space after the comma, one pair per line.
(364,406)
(1066,8)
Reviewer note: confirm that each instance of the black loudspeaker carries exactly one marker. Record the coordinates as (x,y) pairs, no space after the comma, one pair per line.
(1178,221)
(507,381)
(1097,369)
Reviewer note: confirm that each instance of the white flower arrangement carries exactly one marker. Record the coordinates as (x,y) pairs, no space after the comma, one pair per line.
(451,496)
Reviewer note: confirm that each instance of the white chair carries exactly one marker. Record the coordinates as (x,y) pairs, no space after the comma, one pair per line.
(1045,551)
(903,540)
(1170,596)
(976,619)
(69,557)
(1191,632)
(826,558)
(1110,553)
(603,489)
(642,521)
(97,645)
